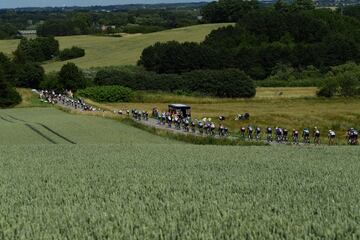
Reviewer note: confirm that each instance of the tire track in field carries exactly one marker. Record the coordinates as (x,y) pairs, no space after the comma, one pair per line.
(56,133)
(6,120)
(45,127)
(17,119)
(40,133)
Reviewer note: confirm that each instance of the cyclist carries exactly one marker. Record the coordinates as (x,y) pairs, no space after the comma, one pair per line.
(221,130)
(257,133)
(269,134)
(352,136)
(279,134)
(201,127)
(193,126)
(316,135)
(306,136)
(250,132)
(331,137)
(212,128)
(295,136)
(242,132)
(285,135)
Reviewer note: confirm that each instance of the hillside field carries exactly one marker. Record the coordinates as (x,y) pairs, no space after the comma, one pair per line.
(52,126)
(109,51)
(118,182)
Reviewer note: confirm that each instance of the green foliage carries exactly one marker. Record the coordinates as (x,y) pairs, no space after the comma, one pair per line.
(8,95)
(228,10)
(71,53)
(296,35)
(132,20)
(136,28)
(175,57)
(51,81)
(287,76)
(8,67)
(7,31)
(329,88)
(36,50)
(71,77)
(29,75)
(227,83)
(108,94)
(220,83)
(343,80)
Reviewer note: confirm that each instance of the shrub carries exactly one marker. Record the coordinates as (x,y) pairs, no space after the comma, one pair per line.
(329,88)
(220,83)
(342,80)
(71,53)
(135,28)
(108,94)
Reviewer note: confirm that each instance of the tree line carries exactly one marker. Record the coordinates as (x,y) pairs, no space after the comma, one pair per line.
(229,83)
(58,22)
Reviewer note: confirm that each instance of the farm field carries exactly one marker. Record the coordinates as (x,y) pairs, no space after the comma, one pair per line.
(157,191)
(109,51)
(52,126)
(292,109)
(118,182)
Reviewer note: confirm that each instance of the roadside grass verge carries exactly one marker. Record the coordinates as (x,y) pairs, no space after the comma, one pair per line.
(29,99)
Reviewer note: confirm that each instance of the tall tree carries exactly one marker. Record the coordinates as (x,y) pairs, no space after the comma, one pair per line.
(8,95)
(71,77)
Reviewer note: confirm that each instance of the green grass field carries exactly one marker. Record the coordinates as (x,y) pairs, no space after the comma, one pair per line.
(108,51)
(118,182)
(52,126)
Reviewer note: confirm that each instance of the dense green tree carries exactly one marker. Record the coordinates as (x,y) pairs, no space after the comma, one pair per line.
(29,75)
(175,57)
(71,77)
(228,10)
(9,68)
(221,83)
(343,80)
(298,36)
(8,95)
(36,50)
(299,5)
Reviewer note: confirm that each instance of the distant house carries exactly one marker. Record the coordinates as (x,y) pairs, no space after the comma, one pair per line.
(27,33)
(105,28)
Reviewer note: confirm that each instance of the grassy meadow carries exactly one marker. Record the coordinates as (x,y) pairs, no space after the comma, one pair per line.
(109,51)
(74,176)
(157,191)
(52,126)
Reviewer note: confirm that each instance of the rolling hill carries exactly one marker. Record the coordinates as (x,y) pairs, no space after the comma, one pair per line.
(107,51)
